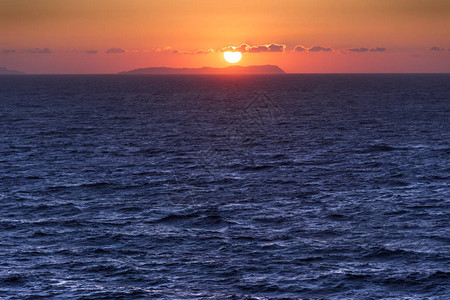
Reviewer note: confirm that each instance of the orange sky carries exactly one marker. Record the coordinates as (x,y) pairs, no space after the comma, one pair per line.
(52,36)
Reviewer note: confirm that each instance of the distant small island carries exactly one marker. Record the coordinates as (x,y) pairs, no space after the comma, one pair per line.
(5,71)
(266,69)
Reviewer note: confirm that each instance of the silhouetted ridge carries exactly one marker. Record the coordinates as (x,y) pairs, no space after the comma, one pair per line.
(5,71)
(266,69)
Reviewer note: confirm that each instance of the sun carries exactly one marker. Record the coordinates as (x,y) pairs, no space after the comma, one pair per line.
(232,57)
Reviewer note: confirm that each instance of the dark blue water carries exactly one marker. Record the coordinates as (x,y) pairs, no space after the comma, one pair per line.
(225,187)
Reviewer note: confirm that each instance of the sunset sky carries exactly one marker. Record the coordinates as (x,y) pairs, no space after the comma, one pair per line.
(300,36)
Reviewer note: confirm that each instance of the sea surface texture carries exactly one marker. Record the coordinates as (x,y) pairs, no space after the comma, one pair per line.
(225,187)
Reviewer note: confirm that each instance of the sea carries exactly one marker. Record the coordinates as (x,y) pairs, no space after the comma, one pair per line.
(297,186)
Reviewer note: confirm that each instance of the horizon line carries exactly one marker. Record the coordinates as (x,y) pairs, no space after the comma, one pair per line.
(281,74)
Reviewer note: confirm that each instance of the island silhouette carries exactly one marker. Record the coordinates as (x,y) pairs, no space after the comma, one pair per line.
(265,69)
(6,71)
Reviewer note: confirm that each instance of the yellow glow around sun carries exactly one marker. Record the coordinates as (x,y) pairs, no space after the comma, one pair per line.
(232,57)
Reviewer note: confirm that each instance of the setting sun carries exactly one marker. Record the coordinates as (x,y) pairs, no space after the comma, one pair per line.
(232,57)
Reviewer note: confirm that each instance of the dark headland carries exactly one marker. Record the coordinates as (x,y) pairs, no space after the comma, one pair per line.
(266,69)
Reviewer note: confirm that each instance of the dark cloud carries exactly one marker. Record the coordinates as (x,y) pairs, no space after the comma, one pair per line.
(256,49)
(266,48)
(320,48)
(167,50)
(300,48)
(316,48)
(39,51)
(115,50)
(91,51)
(277,47)
(241,48)
(437,49)
(6,51)
(378,49)
(357,49)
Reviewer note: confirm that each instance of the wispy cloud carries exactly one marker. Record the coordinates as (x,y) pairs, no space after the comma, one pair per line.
(377,49)
(200,51)
(6,51)
(436,49)
(91,51)
(318,48)
(170,50)
(39,51)
(115,51)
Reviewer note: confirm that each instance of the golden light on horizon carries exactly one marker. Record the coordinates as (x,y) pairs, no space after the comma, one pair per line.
(232,57)
(110,36)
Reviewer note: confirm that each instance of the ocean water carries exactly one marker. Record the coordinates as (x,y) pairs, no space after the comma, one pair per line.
(225,187)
